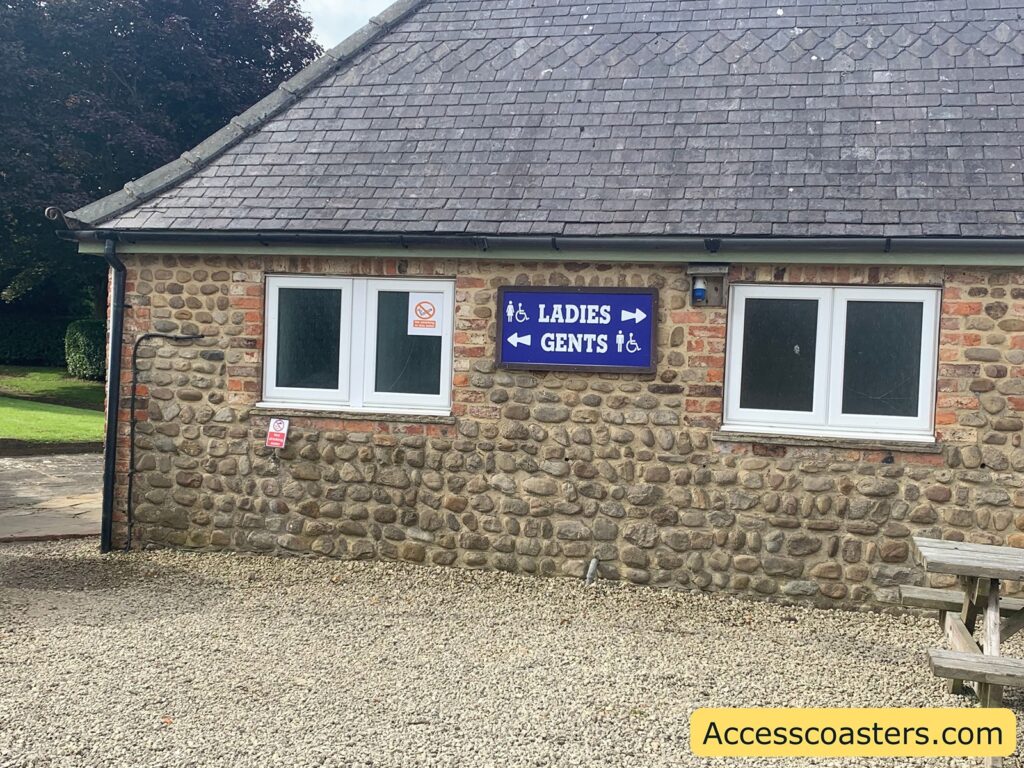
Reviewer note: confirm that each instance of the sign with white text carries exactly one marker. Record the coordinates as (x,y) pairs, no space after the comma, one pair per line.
(577,329)
(425,314)
(277,433)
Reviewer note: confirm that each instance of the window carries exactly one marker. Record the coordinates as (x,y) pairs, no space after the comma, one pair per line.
(818,361)
(359,344)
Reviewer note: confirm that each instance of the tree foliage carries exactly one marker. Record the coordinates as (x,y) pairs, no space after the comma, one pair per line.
(85,349)
(94,93)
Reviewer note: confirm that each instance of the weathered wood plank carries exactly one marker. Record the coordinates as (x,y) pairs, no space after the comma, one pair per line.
(964,559)
(969,612)
(994,670)
(950,600)
(968,617)
(1013,623)
(993,693)
(992,620)
(958,636)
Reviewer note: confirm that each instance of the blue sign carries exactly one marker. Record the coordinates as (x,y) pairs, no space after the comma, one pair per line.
(579,329)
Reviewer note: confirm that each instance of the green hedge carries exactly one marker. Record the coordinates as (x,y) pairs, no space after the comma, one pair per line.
(85,349)
(32,340)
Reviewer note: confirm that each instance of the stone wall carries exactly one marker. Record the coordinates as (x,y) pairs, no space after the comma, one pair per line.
(539,472)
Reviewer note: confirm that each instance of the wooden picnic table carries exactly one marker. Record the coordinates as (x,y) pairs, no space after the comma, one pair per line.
(980,569)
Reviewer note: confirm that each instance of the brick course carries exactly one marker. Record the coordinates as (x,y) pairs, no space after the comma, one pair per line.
(539,472)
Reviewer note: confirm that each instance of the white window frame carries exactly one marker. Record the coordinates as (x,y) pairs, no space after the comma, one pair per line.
(357,352)
(274,393)
(400,401)
(826,418)
(922,423)
(734,362)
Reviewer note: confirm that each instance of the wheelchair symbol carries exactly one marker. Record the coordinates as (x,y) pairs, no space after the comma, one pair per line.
(631,345)
(519,315)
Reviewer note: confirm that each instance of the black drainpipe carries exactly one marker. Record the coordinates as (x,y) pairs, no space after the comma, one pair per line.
(132,420)
(113,392)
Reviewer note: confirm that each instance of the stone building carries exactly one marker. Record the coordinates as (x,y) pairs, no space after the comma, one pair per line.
(820,200)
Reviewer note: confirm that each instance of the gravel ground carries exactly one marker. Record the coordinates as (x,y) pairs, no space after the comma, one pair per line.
(174,659)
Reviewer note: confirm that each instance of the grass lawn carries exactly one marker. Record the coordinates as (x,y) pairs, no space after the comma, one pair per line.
(50,385)
(32,422)
(43,408)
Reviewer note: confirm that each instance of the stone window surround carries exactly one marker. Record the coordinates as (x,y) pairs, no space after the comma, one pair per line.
(841,443)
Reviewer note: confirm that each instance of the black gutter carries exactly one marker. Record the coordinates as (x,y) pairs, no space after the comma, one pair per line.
(113,392)
(557,243)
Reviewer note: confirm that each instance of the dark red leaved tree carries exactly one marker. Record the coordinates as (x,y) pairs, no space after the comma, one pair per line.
(94,93)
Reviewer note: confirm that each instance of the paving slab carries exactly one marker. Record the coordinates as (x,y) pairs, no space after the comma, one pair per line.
(50,497)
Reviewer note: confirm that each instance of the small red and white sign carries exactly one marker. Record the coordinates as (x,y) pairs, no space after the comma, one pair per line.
(277,433)
(425,314)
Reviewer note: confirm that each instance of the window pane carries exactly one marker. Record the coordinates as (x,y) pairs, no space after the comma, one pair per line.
(308,337)
(778,354)
(410,364)
(882,369)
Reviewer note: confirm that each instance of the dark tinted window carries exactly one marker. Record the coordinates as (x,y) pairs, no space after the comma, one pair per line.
(405,363)
(882,370)
(778,354)
(308,337)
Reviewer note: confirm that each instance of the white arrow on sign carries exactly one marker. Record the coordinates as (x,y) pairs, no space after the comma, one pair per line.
(636,315)
(515,340)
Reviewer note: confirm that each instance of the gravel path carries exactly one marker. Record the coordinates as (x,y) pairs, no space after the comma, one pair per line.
(174,659)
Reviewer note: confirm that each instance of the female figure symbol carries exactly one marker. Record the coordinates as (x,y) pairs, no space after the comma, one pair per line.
(519,315)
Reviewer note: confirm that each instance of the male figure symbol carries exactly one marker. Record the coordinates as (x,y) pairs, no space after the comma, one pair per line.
(632,345)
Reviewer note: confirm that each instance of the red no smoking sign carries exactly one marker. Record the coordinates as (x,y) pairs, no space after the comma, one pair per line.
(425,310)
(425,314)
(277,433)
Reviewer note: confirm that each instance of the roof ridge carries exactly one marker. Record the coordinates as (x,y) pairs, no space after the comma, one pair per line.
(240,126)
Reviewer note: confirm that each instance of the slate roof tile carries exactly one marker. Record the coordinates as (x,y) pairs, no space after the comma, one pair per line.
(642,118)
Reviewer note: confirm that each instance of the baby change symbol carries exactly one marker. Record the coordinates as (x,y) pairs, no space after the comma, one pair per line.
(580,329)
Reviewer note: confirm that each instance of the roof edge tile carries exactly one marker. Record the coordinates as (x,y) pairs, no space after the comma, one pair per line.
(287,93)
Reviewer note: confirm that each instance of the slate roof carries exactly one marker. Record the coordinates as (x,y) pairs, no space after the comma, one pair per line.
(646,117)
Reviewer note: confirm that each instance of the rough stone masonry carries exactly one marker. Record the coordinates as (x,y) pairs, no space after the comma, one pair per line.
(538,473)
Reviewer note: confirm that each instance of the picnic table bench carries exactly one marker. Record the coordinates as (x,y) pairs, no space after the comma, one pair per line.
(980,569)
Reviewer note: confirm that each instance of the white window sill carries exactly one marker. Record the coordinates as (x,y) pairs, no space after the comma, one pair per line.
(751,433)
(382,413)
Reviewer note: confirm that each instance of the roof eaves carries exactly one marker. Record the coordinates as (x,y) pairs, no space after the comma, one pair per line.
(248,122)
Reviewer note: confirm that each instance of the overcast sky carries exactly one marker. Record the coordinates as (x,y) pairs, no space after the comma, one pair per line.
(334,20)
